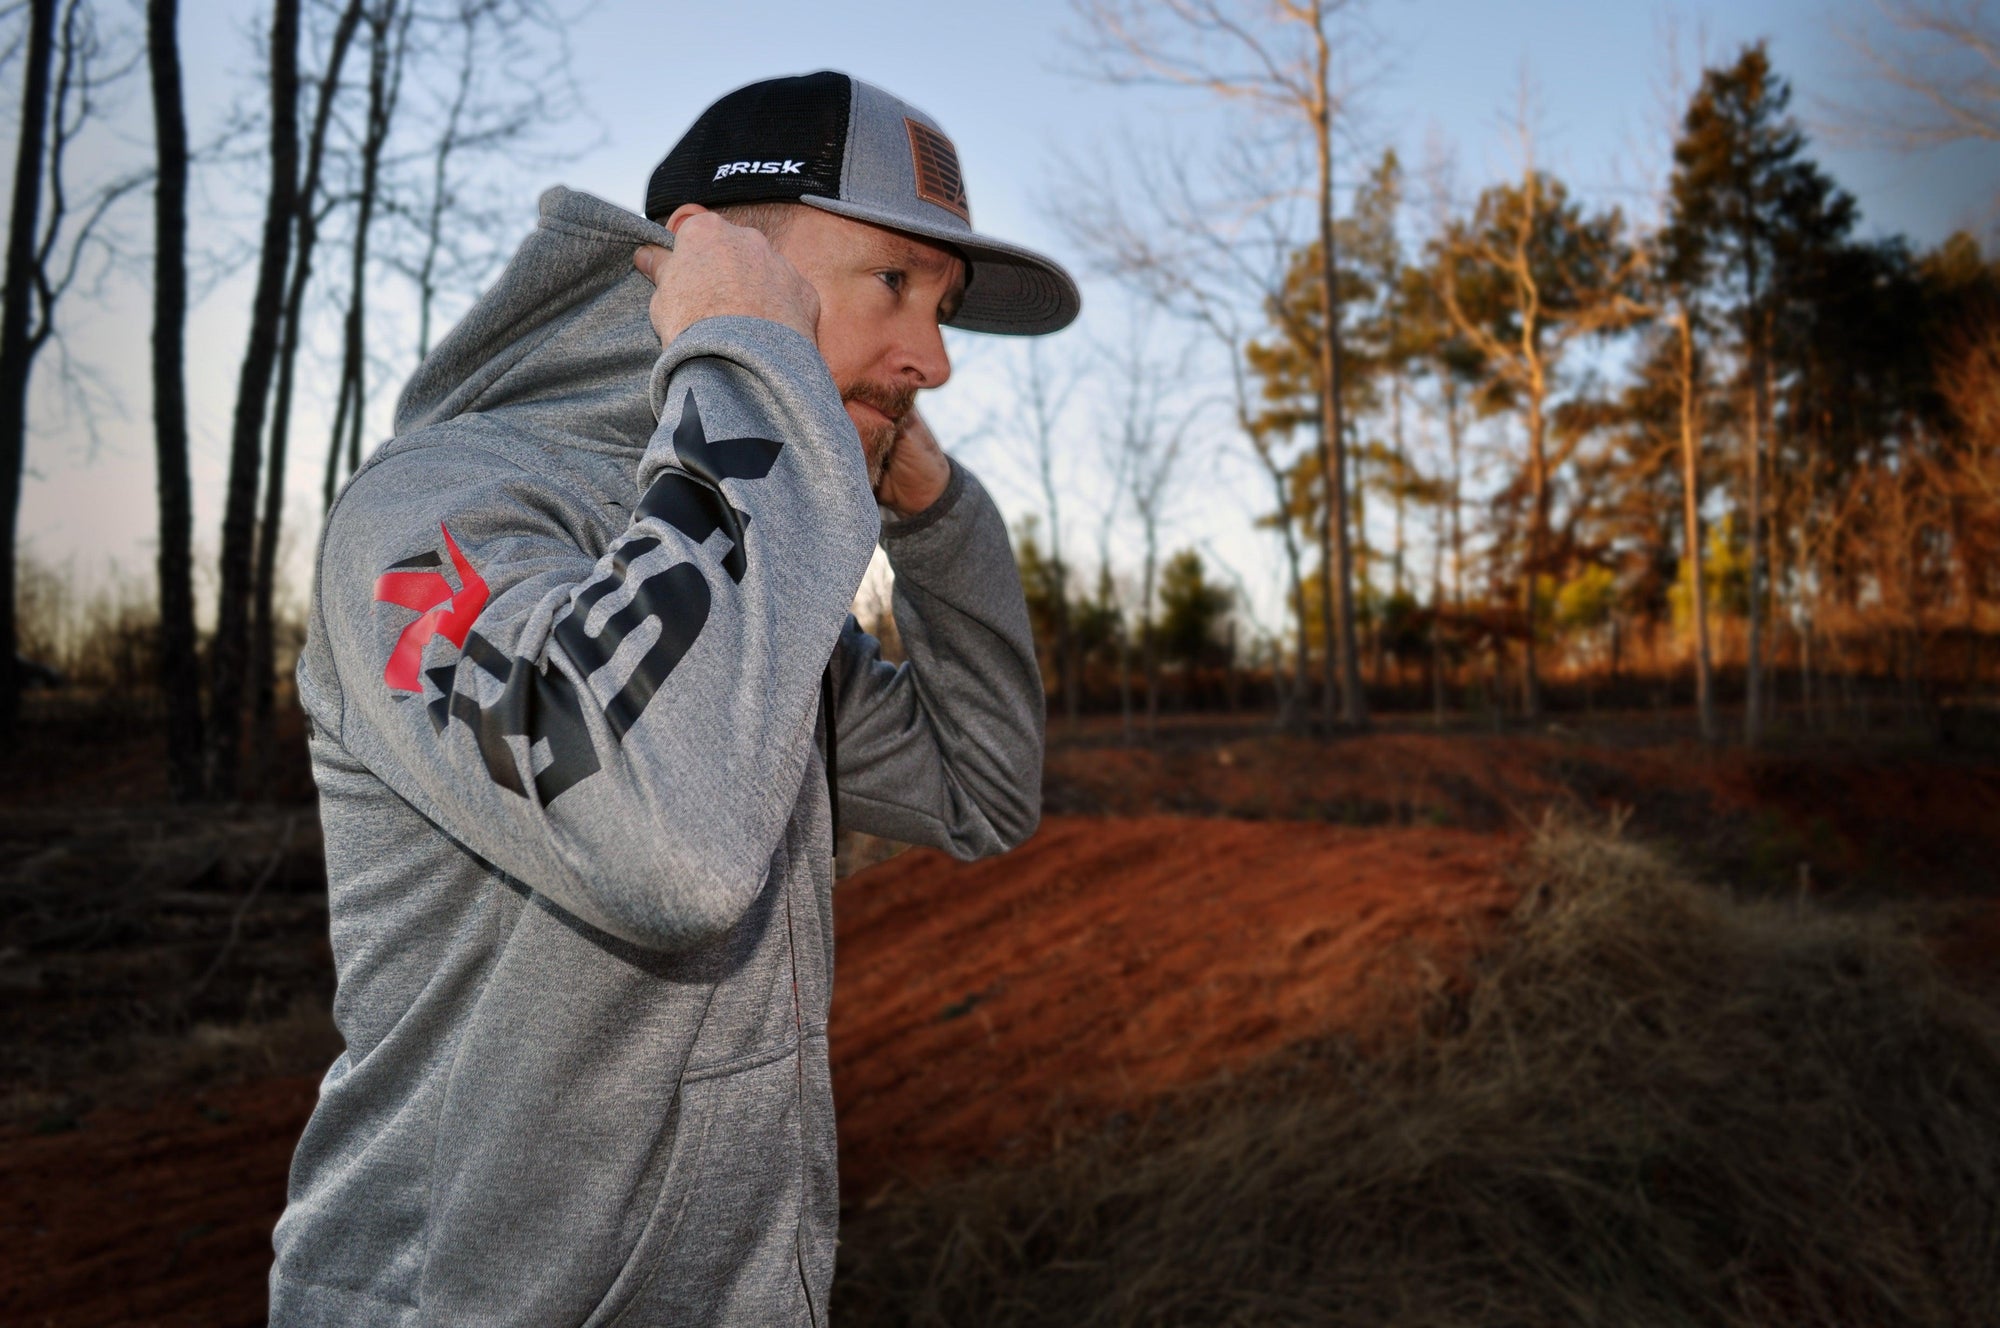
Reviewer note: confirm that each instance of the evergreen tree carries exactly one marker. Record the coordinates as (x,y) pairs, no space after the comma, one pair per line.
(1751,219)
(1192,610)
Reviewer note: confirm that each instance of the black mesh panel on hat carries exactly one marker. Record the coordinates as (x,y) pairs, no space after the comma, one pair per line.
(728,154)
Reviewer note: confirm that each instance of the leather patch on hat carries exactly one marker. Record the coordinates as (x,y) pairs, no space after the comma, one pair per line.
(938,178)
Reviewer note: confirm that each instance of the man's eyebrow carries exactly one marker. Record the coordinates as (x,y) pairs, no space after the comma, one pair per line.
(923,258)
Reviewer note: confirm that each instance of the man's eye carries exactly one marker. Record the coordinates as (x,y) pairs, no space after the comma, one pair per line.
(893,279)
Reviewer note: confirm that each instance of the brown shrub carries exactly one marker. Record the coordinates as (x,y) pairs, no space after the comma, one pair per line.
(1657,1104)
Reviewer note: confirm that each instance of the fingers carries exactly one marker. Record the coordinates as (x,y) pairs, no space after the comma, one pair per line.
(714,268)
(912,424)
(651,260)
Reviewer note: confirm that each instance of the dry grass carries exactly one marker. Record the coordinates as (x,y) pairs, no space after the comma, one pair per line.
(1657,1104)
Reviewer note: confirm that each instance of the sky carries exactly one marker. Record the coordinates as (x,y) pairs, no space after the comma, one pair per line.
(1007,85)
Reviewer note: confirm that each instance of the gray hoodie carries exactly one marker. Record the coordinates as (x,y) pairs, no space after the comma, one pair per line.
(564,673)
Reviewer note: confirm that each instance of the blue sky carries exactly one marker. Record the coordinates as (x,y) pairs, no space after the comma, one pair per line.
(1001,80)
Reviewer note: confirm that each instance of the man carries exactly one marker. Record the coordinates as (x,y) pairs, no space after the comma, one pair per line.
(580,679)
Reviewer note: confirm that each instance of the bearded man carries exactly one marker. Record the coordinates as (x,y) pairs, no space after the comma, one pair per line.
(586,703)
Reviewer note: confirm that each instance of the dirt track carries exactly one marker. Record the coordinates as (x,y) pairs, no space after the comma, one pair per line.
(158,1217)
(980,1009)
(978,1006)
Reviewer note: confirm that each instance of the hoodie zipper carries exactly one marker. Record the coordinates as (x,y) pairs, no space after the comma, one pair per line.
(826,695)
(826,704)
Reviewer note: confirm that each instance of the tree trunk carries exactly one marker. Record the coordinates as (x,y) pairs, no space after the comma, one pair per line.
(1437,623)
(1401,491)
(17,346)
(1124,678)
(1753,673)
(448,141)
(1149,653)
(1289,700)
(179,668)
(1538,517)
(232,619)
(1807,583)
(1066,661)
(1753,696)
(263,628)
(330,482)
(1065,654)
(1455,432)
(1342,668)
(1774,572)
(1704,680)
(349,416)
(1367,640)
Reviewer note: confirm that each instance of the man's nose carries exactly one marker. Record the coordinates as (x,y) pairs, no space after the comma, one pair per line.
(925,360)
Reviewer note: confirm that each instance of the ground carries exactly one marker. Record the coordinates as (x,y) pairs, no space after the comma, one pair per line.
(1190,907)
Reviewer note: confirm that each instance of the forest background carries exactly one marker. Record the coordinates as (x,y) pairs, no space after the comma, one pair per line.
(1607,289)
(1565,435)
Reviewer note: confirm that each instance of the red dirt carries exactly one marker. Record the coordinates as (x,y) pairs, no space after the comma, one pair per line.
(1866,821)
(159,1217)
(981,1005)
(977,1005)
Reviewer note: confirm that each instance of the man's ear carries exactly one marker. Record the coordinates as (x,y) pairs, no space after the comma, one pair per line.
(681,214)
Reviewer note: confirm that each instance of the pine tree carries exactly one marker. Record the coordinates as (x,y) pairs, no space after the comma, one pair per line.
(1748,214)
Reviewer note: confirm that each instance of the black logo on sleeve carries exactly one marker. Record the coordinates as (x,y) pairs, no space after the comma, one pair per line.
(690,500)
(544,705)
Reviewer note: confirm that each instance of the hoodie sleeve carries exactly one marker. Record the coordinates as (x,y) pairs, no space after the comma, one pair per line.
(625,733)
(946,748)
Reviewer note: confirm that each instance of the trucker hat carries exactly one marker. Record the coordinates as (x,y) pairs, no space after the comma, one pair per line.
(830,141)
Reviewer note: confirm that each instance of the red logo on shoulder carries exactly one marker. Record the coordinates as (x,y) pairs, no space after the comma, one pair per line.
(444,612)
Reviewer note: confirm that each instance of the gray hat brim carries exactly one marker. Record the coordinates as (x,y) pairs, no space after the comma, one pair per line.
(1011,291)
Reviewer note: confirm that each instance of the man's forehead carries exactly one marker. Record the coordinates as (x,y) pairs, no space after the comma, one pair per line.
(877,243)
(922,255)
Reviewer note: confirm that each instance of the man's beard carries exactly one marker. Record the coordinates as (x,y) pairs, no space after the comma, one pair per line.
(878,441)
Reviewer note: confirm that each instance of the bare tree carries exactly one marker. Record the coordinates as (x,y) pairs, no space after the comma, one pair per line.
(451,142)
(179,671)
(231,651)
(1525,278)
(18,339)
(507,78)
(1118,461)
(309,209)
(488,75)
(1277,58)
(68,68)
(1216,259)
(1042,395)
(1940,60)
(388,24)
(1150,436)
(502,67)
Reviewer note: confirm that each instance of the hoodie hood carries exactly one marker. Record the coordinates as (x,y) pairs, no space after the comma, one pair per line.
(563,332)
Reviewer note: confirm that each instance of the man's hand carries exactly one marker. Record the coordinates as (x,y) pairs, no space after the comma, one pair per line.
(915,473)
(717,269)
